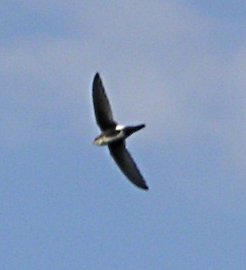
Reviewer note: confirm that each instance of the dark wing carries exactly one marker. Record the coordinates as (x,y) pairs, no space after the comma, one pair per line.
(127,165)
(102,107)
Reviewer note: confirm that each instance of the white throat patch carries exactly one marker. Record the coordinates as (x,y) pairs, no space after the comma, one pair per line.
(119,127)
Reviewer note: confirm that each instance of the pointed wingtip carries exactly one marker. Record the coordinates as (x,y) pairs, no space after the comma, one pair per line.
(97,80)
(145,187)
(97,75)
(142,185)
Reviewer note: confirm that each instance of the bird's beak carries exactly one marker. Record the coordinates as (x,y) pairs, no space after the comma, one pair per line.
(95,142)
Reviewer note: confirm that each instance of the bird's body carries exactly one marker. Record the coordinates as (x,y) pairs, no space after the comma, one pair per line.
(114,135)
(109,136)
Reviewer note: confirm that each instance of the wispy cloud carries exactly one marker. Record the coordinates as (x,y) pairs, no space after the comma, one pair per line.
(170,58)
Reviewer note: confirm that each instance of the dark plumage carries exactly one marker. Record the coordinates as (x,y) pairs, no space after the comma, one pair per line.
(103,112)
(114,135)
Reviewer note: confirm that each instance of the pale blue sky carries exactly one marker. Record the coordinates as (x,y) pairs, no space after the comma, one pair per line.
(179,67)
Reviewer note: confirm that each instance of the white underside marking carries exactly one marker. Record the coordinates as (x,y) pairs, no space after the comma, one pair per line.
(119,127)
(108,140)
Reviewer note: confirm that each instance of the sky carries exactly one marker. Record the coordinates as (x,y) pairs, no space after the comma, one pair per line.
(177,66)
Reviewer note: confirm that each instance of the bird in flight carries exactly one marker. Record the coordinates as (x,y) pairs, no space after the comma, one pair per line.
(114,135)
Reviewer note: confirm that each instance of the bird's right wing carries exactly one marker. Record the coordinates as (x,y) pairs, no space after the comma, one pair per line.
(127,165)
(103,112)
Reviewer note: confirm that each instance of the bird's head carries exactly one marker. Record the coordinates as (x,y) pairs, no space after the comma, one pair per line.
(99,141)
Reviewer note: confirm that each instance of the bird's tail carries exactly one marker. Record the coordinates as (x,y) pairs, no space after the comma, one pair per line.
(130,130)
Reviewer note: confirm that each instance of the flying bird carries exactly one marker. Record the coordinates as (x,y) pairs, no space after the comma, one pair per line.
(114,135)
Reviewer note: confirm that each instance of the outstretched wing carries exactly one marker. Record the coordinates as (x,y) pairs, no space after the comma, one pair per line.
(127,165)
(103,112)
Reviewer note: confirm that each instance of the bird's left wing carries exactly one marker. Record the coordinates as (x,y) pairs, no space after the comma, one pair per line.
(127,165)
